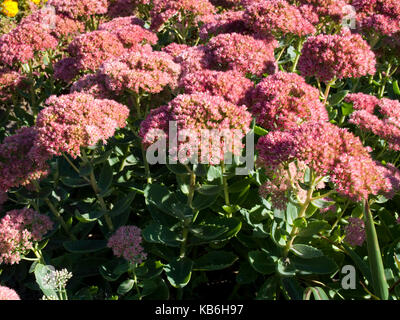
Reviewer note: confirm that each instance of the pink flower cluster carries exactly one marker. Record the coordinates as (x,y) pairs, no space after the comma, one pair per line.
(191,59)
(203,120)
(355,232)
(141,71)
(66,69)
(124,8)
(386,126)
(126,243)
(19,229)
(77,120)
(243,53)
(93,84)
(277,17)
(21,161)
(230,85)
(225,22)
(163,10)
(379,15)
(21,43)
(338,56)
(8,294)
(285,100)
(9,82)
(317,10)
(330,150)
(79,8)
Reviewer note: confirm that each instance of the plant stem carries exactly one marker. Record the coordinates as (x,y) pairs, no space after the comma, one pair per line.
(225,183)
(327,89)
(133,269)
(146,164)
(374,256)
(296,59)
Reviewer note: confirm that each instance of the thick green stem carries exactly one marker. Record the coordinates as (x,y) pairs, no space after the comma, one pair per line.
(374,256)
(225,183)
(298,53)
(133,269)
(327,89)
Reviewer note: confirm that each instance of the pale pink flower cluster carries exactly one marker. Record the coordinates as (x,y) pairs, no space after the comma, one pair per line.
(79,8)
(93,84)
(230,85)
(141,71)
(8,294)
(277,17)
(77,120)
(19,229)
(21,43)
(243,53)
(126,243)
(163,10)
(174,49)
(201,118)
(10,81)
(21,161)
(225,22)
(386,126)
(285,100)
(330,151)
(355,232)
(338,56)
(379,15)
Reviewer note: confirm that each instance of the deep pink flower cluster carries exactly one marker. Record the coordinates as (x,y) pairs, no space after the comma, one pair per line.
(9,82)
(285,100)
(21,43)
(91,49)
(338,56)
(225,22)
(79,8)
(315,10)
(21,161)
(278,17)
(66,69)
(124,8)
(386,126)
(329,150)
(93,84)
(174,49)
(355,232)
(141,71)
(120,23)
(126,243)
(19,229)
(379,15)
(78,120)
(230,85)
(243,53)
(201,119)
(8,294)
(192,59)
(163,10)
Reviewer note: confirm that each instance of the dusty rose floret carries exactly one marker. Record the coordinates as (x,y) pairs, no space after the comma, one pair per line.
(226,22)
(93,84)
(163,10)
(355,232)
(126,243)
(79,8)
(91,49)
(338,56)
(193,59)
(10,81)
(174,49)
(124,8)
(141,71)
(77,120)
(318,9)
(8,294)
(198,114)
(121,22)
(66,69)
(243,53)
(285,100)
(278,17)
(230,85)
(21,161)
(19,229)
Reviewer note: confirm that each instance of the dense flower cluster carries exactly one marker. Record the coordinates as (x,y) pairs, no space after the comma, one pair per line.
(278,17)
(79,8)
(8,294)
(284,100)
(329,150)
(355,232)
(126,243)
(77,120)
(163,10)
(66,69)
(93,84)
(338,56)
(191,59)
(9,82)
(386,125)
(141,71)
(21,161)
(202,121)
(243,53)
(231,85)
(124,8)
(19,229)
(317,10)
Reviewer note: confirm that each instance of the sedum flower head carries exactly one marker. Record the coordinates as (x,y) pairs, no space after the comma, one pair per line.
(8,294)
(79,8)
